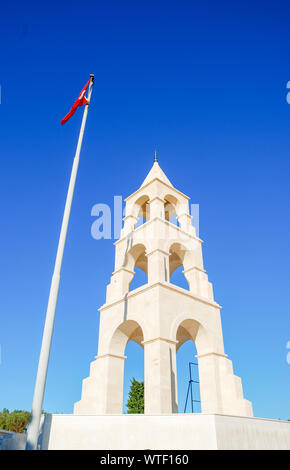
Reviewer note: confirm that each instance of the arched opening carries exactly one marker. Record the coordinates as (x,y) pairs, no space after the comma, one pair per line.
(176,259)
(141,210)
(187,335)
(137,262)
(178,279)
(139,279)
(187,370)
(140,221)
(127,340)
(133,369)
(170,209)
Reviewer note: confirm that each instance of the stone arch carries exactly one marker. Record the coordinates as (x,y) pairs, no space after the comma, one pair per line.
(176,257)
(187,328)
(133,257)
(141,207)
(106,380)
(170,206)
(129,330)
(136,256)
(180,255)
(183,251)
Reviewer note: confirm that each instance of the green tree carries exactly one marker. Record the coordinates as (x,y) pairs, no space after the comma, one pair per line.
(135,403)
(15,421)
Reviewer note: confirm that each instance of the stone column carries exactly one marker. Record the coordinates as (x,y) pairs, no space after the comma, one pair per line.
(102,391)
(157,207)
(160,376)
(198,282)
(185,223)
(210,385)
(120,283)
(158,265)
(220,390)
(129,224)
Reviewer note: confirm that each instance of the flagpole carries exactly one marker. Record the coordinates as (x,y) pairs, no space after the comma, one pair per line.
(33,428)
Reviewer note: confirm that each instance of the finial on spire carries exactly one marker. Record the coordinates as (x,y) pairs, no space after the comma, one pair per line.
(155,157)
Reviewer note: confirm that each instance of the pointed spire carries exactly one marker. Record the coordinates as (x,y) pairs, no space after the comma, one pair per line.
(156,172)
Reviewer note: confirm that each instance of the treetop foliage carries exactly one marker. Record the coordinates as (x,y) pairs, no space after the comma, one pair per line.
(135,403)
(16,421)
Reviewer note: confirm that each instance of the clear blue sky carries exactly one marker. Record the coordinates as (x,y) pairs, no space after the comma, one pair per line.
(205,84)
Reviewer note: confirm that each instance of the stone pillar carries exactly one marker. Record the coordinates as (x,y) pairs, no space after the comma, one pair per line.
(129,224)
(160,376)
(220,390)
(119,285)
(157,208)
(158,265)
(209,382)
(185,223)
(102,391)
(198,282)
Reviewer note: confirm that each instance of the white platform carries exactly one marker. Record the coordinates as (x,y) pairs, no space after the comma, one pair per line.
(168,432)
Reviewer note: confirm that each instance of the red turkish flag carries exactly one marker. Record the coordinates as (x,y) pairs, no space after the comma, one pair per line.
(79,102)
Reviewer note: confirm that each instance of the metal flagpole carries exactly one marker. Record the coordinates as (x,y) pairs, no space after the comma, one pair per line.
(33,428)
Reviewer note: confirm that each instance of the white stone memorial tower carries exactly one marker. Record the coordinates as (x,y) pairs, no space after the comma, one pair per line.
(160,316)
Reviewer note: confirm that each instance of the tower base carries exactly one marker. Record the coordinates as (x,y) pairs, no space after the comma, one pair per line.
(157,432)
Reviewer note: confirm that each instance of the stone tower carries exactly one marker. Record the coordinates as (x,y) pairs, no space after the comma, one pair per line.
(160,316)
